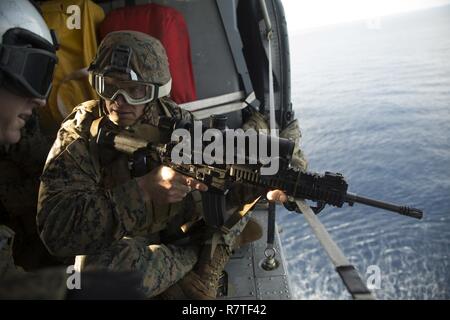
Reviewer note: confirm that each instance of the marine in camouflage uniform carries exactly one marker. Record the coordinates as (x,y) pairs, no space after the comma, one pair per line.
(90,206)
(88,203)
(209,270)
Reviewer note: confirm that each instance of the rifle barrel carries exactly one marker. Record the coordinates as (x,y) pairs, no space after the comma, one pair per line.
(403,210)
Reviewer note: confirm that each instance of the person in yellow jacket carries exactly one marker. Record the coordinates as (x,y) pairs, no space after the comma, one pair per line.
(75,23)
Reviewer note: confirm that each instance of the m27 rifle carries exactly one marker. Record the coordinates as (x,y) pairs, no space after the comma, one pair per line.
(324,189)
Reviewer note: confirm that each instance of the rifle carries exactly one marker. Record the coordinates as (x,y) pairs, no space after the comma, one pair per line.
(324,189)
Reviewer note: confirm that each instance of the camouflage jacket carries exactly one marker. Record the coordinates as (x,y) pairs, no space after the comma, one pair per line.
(292,132)
(79,210)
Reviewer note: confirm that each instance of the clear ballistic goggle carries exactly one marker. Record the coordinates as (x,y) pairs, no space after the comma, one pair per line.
(135,92)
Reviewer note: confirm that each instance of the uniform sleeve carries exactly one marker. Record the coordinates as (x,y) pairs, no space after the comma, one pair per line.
(242,195)
(76,215)
(291,132)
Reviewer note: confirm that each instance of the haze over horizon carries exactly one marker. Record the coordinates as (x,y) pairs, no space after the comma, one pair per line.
(302,15)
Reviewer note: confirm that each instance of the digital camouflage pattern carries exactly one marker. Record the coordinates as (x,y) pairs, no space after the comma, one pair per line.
(292,132)
(88,203)
(96,210)
(247,194)
(86,208)
(148,58)
(90,206)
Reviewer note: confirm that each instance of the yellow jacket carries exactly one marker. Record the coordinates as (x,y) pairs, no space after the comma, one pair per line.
(75,23)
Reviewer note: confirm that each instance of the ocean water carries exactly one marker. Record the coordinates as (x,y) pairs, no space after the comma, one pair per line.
(374,104)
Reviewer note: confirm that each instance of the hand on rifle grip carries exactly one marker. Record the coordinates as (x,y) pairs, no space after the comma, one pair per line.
(277,196)
(163,185)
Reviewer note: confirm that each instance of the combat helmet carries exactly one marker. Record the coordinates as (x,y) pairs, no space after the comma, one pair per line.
(139,56)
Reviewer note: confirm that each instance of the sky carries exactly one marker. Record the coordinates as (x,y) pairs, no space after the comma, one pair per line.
(307,14)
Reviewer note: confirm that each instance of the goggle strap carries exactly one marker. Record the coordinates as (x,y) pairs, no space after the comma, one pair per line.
(12,59)
(164,90)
